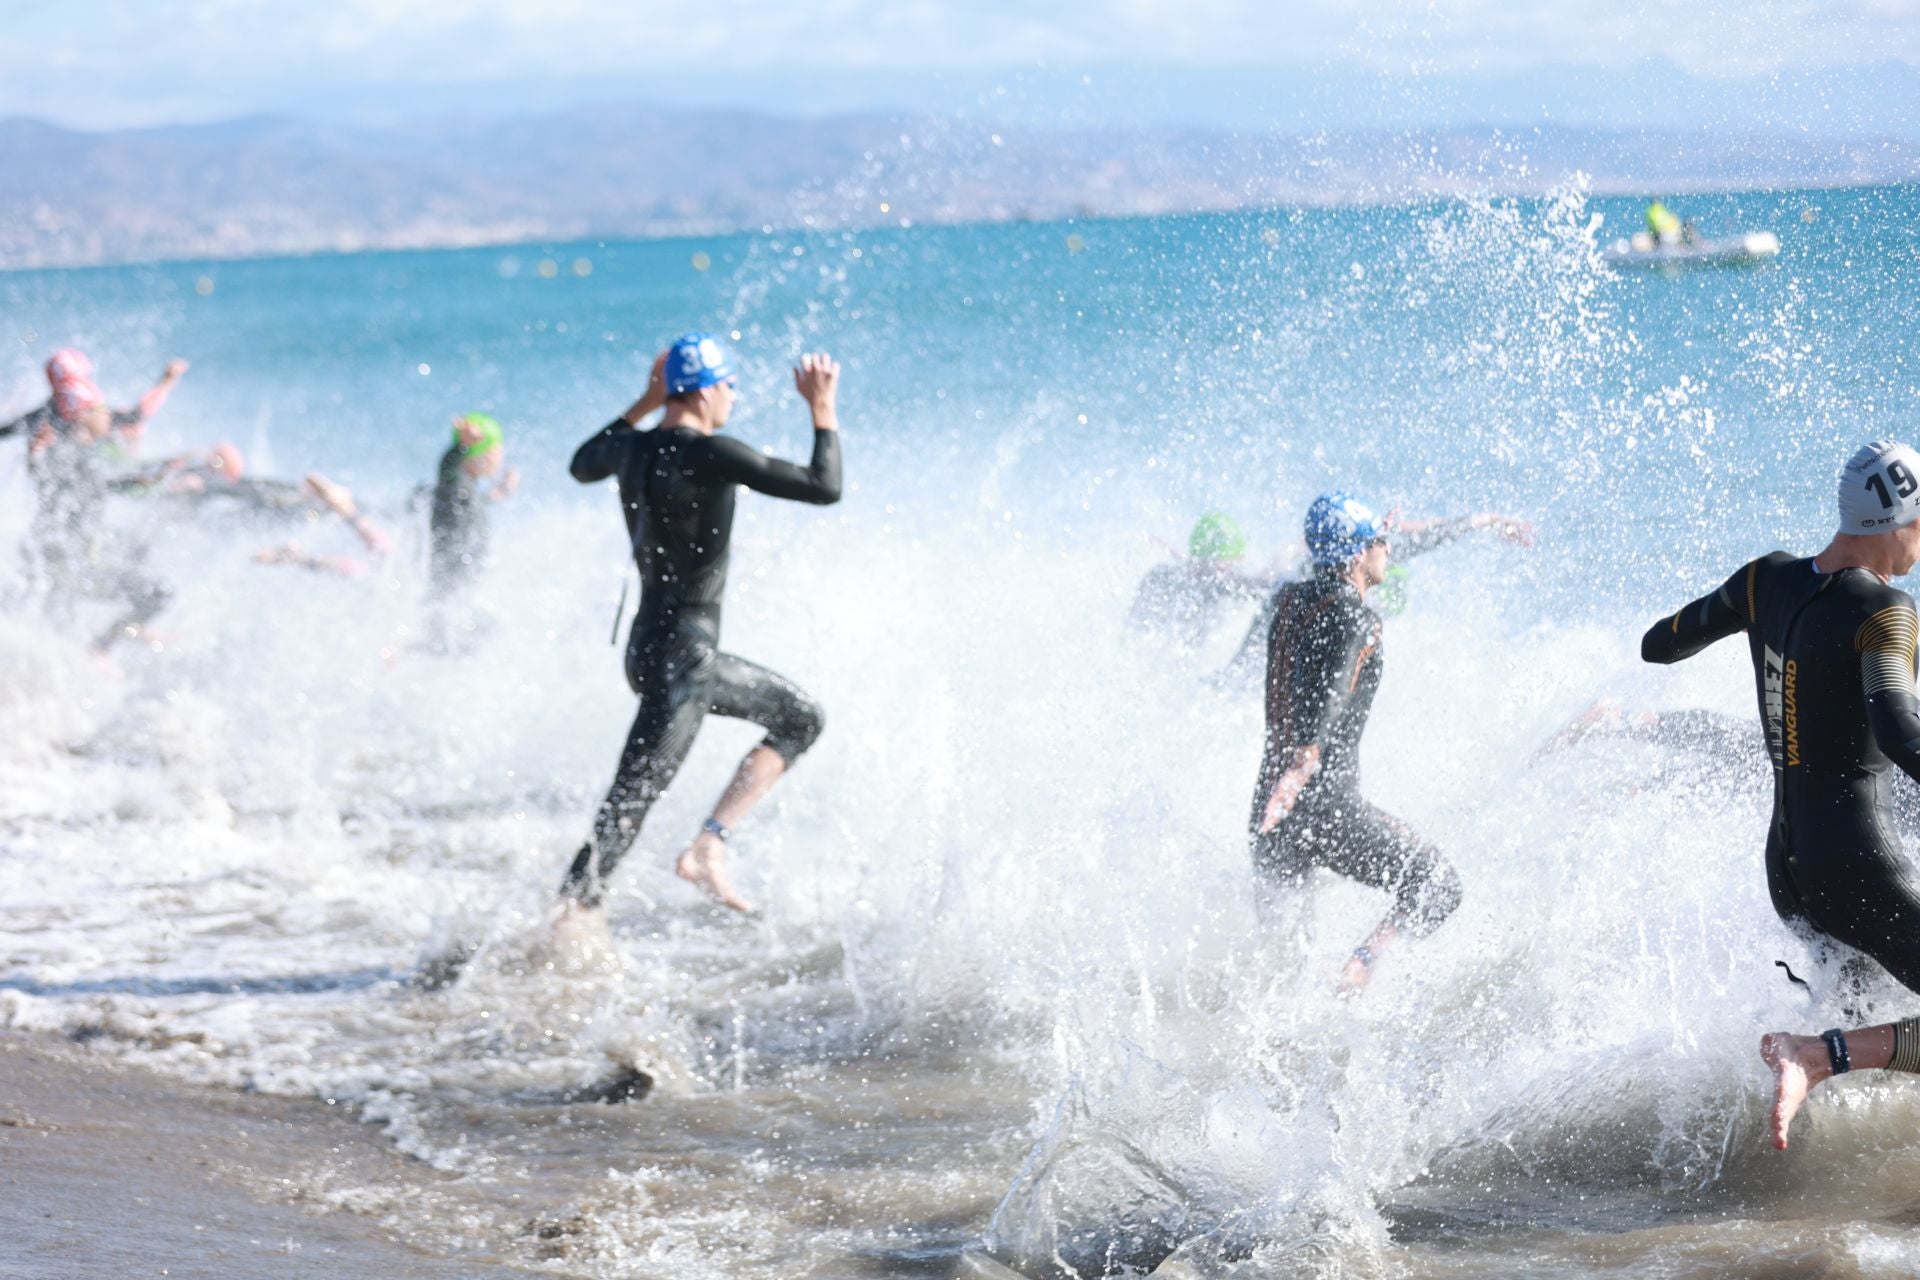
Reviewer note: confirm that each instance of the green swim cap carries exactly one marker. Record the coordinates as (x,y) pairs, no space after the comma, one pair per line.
(1390,597)
(490,435)
(1216,537)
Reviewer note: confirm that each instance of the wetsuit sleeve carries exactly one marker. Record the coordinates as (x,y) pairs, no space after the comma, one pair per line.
(1245,588)
(1437,533)
(139,482)
(600,456)
(28,423)
(818,482)
(1325,671)
(1711,618)
(1886,645)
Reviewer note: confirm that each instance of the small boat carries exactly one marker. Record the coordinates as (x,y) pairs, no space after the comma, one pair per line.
(1642,252)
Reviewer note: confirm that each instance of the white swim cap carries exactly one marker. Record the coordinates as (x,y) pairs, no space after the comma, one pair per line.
(1880,488)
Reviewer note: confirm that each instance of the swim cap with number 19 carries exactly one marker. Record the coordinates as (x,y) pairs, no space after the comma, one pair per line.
(1880,488)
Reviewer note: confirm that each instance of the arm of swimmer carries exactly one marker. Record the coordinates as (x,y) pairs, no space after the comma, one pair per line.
(818,482)
(1711,618)
(600,456)
(157,395)
(1256,586)
(1886,644)
(152,476)
(1288,786)
(1416,537)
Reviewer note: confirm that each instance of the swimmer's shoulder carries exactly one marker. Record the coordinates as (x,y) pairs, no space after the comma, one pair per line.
(1869,595)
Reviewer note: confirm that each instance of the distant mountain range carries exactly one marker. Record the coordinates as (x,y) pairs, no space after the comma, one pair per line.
(275,185)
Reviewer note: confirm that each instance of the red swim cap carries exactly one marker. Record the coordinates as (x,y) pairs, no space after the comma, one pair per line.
(68,366)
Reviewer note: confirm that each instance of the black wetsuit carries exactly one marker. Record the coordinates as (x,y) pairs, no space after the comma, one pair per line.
(168,481)
(1324,665)
(79,555)
(269,497)
(32,422)
(1833,661)
(458,528)
(677,490)
(1186,597)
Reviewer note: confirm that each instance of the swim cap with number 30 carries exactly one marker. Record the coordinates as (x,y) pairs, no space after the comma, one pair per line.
(1880,488)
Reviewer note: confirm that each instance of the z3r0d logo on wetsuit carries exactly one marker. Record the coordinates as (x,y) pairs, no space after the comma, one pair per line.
(1780,679)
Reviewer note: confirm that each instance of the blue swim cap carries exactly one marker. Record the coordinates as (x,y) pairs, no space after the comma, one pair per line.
(697,360)
(1339,527)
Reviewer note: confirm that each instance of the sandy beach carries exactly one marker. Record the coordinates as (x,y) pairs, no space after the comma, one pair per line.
(111,1170)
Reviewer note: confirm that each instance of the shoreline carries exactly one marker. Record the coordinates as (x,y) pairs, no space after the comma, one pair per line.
(113,1170)
(703,234)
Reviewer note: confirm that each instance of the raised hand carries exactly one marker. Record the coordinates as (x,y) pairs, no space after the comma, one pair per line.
(1507,528)
(817,379)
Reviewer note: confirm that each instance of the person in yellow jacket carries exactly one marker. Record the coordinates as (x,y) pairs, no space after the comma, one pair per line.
(1663,224)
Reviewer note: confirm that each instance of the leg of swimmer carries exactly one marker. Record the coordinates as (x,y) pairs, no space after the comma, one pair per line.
(1382,851)
(759,769)
(145,599)
(703,862)
(656,747)
(1358,970)
(1801,1062)
(743,690)
(1282,881)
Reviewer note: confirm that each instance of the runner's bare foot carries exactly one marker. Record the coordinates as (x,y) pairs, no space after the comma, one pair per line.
(1799,1063)
(1354,977)
(702,862)
(578,942)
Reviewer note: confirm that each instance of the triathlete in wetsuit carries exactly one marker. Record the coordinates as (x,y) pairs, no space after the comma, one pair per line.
(80,556)
(74,392)
(1185,597)
(458,526)
(1389,600)
(678,482)
(69,546)
(1324,664)
(1832,644)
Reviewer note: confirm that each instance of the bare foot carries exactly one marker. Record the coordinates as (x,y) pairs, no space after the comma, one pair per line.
(1354,977)
(578,943)
(1799,1063)
(702,863)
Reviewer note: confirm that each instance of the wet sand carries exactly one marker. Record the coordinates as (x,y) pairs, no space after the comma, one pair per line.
(112,1171)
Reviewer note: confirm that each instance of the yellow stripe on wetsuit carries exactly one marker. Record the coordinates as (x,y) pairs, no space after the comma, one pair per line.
(1886,643)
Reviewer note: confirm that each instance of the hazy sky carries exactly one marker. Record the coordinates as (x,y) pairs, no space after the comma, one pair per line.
(1240,62)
